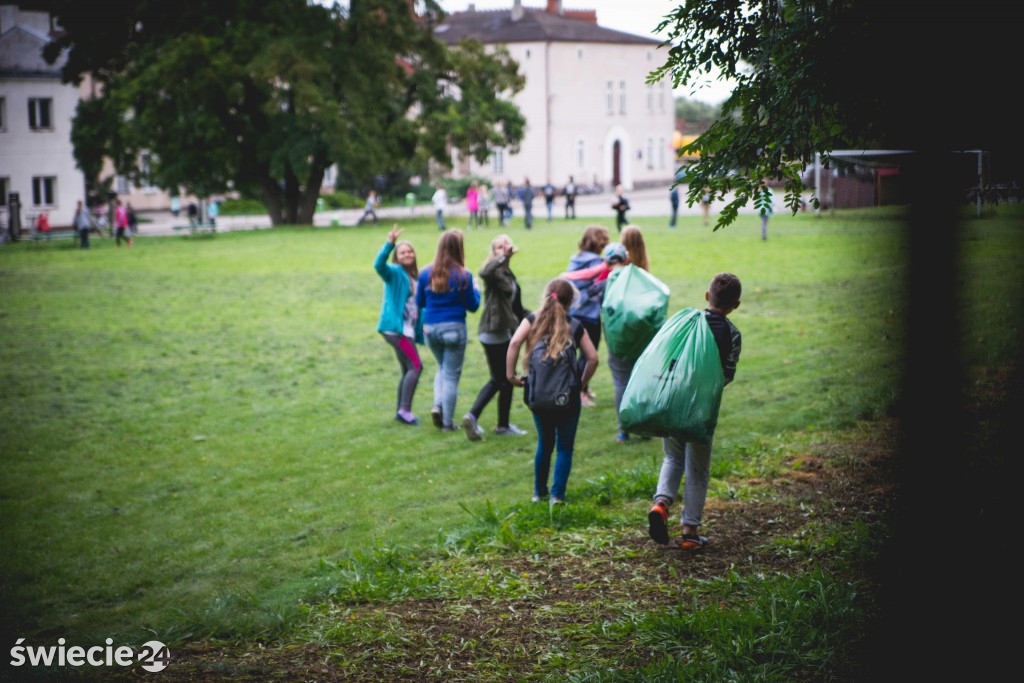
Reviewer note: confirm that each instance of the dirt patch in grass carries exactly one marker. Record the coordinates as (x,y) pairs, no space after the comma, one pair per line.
(625,574)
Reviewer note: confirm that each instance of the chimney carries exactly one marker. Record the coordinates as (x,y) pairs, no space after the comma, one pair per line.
(517,10)
(555,7)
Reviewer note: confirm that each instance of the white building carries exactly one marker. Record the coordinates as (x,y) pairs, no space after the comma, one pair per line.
(36,155)
(590,113)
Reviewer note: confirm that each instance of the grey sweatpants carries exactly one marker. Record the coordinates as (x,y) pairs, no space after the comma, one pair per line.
(693,460)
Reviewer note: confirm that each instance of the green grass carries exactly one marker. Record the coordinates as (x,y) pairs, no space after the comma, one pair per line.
(193,429)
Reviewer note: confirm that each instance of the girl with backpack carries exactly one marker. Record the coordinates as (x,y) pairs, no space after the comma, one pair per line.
(551,339)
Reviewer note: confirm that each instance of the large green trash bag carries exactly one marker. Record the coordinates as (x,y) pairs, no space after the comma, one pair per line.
(676,385)
(634,309)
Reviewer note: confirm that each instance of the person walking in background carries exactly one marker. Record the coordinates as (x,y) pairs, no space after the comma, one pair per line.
(673,198)
(440,201)
(556,428)
(193,214)
(502,313)
(83,224)
(585,309)
(549,197)
(175,206)
(372,202)
(501,201)
(484,200)
(212,212)
(400,322)
(705,204)
(570,198)
(473,204)
(446,293)
(526,195)
(689,457)
(621,206)
(133,220)
(121,223)
(767,205)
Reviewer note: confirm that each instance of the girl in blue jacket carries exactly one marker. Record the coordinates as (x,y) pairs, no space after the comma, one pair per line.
(400,322)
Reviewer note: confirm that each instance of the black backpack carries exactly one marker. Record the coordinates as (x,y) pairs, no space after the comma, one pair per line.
(553,384)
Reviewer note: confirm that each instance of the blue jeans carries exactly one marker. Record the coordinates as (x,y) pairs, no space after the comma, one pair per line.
(447,341)
(554,431)
(440,219)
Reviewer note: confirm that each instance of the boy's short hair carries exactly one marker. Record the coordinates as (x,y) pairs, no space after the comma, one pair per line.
(724,291)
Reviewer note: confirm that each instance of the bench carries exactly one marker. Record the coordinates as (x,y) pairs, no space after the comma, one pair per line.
(38,236)
(196,227)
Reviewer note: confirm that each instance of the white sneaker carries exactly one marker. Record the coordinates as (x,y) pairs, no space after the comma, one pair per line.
(474,432)
(511,429)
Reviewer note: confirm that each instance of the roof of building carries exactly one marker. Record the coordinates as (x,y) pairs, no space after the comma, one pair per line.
(535,25)
(21,53)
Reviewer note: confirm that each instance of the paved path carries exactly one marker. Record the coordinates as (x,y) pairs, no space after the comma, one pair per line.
(651,202)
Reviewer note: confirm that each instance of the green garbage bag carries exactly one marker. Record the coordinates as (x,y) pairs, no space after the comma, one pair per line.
(635,307)
(676,385)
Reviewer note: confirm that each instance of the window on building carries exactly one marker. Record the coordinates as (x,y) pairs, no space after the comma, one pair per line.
(609,96)
(146,172)
(3,114)
(649,98)
(622,97)
(39,113)
(43,190)
(121,185)
(581,154)
(4,184)
(661,97)
(498,160)
(661,152)
(650,153)
(579,53)
(527,54)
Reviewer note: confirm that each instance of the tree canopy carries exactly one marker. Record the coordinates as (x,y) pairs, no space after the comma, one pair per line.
(262,96)
(818,75)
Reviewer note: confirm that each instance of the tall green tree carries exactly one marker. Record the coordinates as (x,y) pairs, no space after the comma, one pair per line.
(814,76)
(262,96)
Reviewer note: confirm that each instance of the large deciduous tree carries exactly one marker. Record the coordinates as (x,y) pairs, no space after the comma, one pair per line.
(262,96)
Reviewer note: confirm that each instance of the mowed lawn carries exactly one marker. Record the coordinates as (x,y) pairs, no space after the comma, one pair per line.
(206,417)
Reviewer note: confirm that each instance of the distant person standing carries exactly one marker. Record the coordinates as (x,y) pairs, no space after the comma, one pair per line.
(368,209)
(501,200)
(570,198)
(767,204)
(121,223)
(83,224)
(175,206)
(621,206)
(473,204)
(526,195)
(193,214)
(673,197)
(705,204)
(133,220)
(440,201)
(212,211)
(484,200)
(549,197)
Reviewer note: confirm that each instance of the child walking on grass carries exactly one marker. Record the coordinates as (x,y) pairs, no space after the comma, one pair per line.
(691,458)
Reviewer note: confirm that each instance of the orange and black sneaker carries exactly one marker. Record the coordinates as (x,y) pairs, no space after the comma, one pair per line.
(692,542)
(657,523)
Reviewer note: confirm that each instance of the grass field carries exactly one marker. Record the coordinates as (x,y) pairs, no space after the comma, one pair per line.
(202,421)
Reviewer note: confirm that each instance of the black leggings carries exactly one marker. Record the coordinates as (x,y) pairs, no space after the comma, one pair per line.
(497,384)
